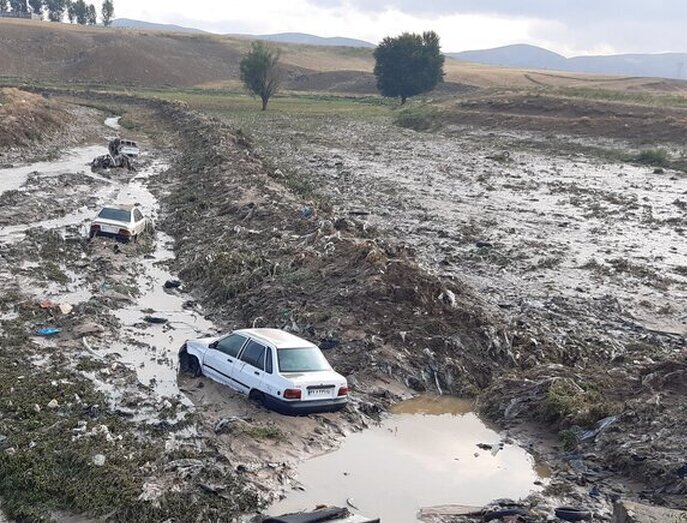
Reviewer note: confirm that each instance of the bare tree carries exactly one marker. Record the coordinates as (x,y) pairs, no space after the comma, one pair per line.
(260,71)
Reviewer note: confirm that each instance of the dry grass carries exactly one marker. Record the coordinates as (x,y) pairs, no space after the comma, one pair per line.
(28,117)
(158,58)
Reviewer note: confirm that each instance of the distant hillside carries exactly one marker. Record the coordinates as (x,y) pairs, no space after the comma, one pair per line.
(283,38)
(306,39)
(69,53)
(128,23)
(667,65)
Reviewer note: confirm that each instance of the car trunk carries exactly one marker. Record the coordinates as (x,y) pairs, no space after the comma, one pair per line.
(315,385)
(110,226)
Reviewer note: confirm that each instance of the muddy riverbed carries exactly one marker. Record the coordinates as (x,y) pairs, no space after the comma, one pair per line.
(192,448)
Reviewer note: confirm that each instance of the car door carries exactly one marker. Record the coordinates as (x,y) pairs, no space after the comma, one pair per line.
(221,357)
(249,371)
(139,221)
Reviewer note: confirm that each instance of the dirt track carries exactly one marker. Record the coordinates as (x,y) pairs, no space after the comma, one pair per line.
(246,249)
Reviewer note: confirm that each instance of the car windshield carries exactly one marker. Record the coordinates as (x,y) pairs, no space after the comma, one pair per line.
(308,359)
(119,215)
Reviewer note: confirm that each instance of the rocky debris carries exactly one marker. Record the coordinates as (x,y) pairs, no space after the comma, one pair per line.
(631,512)
(107,161)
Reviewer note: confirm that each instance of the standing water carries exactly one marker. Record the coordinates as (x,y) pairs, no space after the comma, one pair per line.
(424,454)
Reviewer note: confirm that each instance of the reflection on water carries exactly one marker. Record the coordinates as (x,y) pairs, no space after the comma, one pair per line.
(424,454)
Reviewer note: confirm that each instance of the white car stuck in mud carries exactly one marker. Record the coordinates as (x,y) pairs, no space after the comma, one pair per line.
(124,222)
(274,368)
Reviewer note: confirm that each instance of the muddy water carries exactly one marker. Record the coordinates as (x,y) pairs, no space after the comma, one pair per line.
(424,454)
(75,160)
(147,348)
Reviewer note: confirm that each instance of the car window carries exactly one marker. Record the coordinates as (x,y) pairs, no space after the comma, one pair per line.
(231,345)
(254,354)
(268,361)
(119,215)
(308,359)
(137,215)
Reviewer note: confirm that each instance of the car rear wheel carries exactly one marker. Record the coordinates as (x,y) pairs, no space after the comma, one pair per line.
(257,396)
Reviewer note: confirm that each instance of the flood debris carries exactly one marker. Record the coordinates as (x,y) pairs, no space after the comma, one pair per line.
(122,154)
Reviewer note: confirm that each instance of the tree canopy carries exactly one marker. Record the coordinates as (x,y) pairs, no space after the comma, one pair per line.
(260,71)
(107,13)
(408,65)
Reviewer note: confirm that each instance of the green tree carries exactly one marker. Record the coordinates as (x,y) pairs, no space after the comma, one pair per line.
(71,10)
(80,12)
(92,15)
(260,71)
(107,13)
(19,6)
(36,7)
(56,9)
(408,65)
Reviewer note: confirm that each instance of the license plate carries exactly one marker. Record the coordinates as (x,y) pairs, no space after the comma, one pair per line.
(319,392)
(110,229)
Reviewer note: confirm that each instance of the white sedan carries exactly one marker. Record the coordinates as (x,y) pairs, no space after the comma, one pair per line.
(275,368)
(121,221)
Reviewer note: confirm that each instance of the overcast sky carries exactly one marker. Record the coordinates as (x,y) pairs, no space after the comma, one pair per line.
(567,26)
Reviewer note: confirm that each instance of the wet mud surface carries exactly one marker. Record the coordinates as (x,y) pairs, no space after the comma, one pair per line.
(425,264)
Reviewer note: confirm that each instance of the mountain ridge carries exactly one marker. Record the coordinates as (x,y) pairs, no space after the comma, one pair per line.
(658,65)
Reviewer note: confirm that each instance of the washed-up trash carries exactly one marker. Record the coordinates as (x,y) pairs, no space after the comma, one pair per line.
(329,514)
(48,331)
(172,284)
(46,304)
(307,212)
(329,343)
(65,308)
(155,319)
(573,514)
(599,428)
(499,514)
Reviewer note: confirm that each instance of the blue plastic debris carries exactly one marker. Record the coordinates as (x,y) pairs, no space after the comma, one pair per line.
(48,331)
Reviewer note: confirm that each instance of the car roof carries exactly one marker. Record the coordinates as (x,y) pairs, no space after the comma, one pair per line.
(121,207)
(277,337)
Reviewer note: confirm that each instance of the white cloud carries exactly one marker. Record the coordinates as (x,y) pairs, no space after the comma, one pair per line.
(355,19)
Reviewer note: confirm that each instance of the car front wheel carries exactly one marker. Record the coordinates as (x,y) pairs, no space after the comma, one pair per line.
(189,364)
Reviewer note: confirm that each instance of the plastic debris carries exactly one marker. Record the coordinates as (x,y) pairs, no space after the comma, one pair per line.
(48,331)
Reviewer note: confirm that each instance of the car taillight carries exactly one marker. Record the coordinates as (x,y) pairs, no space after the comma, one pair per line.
(292,394)
(124,232)
(343,391)
(95,227)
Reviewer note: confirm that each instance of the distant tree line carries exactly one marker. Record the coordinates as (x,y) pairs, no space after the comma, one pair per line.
(76,11)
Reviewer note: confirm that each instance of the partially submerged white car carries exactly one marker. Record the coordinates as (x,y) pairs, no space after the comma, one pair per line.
(281,371)
(124,222)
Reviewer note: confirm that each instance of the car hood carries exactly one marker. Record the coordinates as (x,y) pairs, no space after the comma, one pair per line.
(201,343)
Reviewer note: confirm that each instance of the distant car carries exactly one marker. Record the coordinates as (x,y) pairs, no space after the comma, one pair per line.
(124,147)
(124,222)
(274,368)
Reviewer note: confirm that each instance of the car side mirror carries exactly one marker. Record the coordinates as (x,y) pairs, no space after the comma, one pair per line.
(213,345)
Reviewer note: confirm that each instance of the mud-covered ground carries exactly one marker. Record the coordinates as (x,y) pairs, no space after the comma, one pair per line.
(555,283)
(583,259)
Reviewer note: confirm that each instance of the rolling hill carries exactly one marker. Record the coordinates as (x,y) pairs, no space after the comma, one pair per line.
(667,65)
(128,23)
(284,38)
(302,38)
(65,53)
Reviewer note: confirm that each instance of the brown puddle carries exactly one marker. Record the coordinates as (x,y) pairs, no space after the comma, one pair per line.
(424,454)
